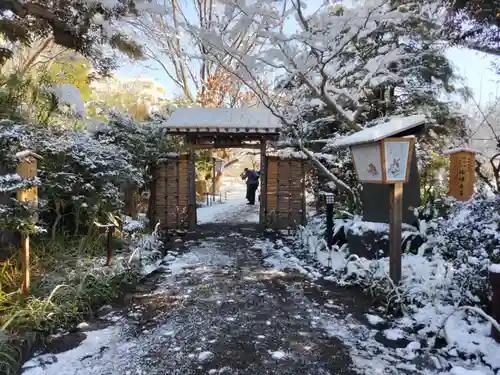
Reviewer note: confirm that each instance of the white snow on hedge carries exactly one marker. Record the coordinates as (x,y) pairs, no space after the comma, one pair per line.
(68,95)
(495,268)
(445,273)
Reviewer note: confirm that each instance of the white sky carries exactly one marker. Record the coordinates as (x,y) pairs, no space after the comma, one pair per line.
(475,68)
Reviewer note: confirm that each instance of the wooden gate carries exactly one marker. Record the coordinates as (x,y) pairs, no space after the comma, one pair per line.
(286,203)
(170,193)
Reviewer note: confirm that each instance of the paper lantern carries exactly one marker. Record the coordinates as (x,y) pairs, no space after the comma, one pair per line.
(384,162)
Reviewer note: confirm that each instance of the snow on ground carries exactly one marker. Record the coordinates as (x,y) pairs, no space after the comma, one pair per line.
(216,310)
(429,292)
(233,210)
(235,303)
(413,332)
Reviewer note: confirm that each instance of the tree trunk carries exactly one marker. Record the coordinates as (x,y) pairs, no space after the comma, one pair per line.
(57,220)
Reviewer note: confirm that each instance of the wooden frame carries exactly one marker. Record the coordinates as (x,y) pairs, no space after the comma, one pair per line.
(211,140)
(357,174)
(411,143)
(216,140)
(381,145)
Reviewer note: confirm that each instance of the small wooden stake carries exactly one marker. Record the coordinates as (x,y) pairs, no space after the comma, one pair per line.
(25,260)
(395,225)
(213,180)
(109,251)
(108,229)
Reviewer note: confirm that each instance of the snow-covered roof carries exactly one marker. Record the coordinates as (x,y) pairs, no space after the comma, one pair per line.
(378,132)
(225,120)
(459,149)
(291,154)
(26,154)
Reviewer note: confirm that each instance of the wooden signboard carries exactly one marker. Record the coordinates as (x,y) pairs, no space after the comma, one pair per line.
(27,169)
(462,174)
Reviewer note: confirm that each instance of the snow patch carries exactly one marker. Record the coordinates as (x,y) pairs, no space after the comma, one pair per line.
(278,354)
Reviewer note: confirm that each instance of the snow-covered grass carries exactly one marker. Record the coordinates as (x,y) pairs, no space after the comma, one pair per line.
(448,273)
(68,276)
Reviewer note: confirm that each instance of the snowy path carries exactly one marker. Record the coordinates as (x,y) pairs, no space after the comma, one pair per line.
(234,210)
(235,303)
(215,310)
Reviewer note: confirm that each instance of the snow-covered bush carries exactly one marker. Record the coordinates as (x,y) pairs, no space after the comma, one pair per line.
(469,238)
(146,142)
(449,261)
(444,292)
(81,176)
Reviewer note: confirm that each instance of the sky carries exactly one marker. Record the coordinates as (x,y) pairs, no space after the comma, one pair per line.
(474,67)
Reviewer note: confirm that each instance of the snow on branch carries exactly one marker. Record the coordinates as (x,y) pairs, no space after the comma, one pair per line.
(345,60)
(68,95)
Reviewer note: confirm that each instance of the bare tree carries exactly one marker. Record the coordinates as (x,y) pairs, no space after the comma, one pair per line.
(483,136)
(187,61)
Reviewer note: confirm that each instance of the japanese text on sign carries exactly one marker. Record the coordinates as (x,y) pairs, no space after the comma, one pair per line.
(462,178)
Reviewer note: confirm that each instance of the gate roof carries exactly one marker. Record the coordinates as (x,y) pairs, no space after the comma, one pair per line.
(256,121)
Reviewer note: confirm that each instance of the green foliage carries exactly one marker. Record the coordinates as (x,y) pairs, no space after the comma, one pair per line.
(18,216)
(134,98)
(203,165)
(69,69)
(82,177)
(81,26)
(21,98)
(77,283)
(432,183)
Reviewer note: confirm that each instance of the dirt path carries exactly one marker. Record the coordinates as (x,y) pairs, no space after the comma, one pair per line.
(214,310)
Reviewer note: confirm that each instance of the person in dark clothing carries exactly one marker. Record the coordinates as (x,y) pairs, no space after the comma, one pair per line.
(252,178)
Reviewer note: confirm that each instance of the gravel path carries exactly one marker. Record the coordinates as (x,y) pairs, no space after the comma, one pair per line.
(215,309)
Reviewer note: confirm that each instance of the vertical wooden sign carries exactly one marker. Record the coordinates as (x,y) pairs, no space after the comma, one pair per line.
(26,169)
(462,173)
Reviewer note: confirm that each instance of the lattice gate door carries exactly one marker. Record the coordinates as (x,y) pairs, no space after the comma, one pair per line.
(170,189)
(286,203)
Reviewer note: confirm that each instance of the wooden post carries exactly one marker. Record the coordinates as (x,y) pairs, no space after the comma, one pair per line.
(303,217)
(495,300)
(213,180)
(192,189)
(25,261)
(395,226)
(263,185)
(109,250)
(26,169)
(108,229)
